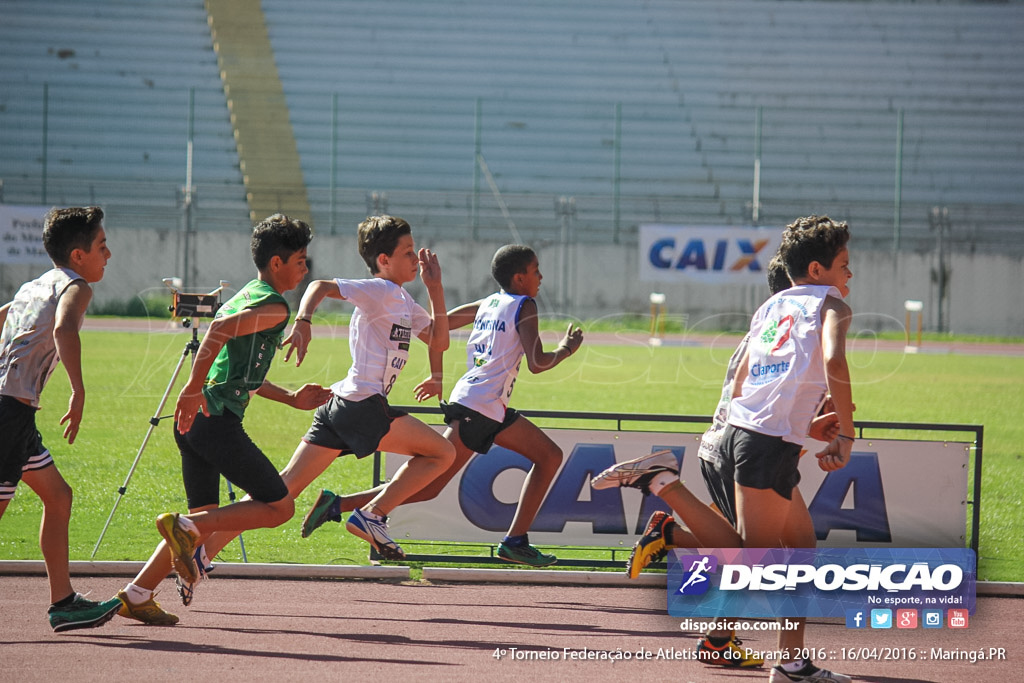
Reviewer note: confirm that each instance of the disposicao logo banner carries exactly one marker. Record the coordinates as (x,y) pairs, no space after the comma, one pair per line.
(818,582)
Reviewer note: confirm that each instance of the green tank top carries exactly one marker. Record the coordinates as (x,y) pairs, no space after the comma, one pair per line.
(243,362)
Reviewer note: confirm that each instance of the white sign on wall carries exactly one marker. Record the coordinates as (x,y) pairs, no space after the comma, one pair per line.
(21,234)
(711,255)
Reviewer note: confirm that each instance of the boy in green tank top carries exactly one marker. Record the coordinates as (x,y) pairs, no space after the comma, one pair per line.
(230,366)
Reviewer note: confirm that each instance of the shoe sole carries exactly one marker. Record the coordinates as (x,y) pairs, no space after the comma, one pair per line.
(615,475)
(307,528)
(632,570)
(386,552)
(74,626)
(524,562)
(181,555)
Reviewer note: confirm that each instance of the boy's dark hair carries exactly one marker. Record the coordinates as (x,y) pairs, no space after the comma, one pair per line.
(379,235)
(65,230)
(814,238)
(509,260)
(778,278)
(278,235)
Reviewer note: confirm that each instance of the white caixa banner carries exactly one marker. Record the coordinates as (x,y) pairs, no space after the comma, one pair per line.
(710,255)
(893,493)
(21,234)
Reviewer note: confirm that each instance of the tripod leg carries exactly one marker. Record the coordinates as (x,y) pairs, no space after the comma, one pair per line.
(153,422)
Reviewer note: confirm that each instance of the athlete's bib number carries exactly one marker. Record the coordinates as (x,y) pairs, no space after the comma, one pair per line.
(510,382)
(395,362)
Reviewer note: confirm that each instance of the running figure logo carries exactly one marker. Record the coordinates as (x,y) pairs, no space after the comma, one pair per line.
(695,573)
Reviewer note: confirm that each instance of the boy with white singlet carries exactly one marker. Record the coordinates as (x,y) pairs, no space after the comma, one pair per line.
(795,358)
(40,328)
(504,330)
(358,418)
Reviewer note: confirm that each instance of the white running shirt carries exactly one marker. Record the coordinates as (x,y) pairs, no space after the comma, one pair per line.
(785,382)
(28,354)
(493,354)
(383,325)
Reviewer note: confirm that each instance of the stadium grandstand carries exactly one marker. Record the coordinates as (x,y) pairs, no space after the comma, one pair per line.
(467,118)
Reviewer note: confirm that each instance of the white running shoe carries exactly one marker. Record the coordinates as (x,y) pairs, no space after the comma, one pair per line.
(637,473)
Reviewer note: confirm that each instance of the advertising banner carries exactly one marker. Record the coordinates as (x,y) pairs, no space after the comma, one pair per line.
(21,234)
(822,582)
(709,255)
(892,494)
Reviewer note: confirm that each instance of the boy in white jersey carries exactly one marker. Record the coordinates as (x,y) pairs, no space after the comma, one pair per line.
(795,356)
(663,532)
(504,330)
(40,327)
(358,419)
(230,367)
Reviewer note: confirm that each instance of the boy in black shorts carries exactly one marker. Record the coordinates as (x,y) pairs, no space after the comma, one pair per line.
(41,327)
(230,366)
(504,330)
(775,397)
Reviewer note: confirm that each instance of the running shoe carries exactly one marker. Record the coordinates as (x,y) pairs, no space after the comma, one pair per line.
(730,654)
(525,554)
(82,613)
(651,547)
(149,612)
(182,544)
(375,533)
(187,591)
(325,509)
(809,673)
(637,473)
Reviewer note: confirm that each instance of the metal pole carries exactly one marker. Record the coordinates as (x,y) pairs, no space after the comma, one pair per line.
(334,160)
(475,199)
(189,265)
(46,132)
(616,170)
(898,200)
(755,213)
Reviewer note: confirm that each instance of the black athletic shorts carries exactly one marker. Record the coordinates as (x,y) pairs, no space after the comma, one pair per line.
(217,445)
(352,426)
(476,431)
(759,461)
(20,444)
(718,478)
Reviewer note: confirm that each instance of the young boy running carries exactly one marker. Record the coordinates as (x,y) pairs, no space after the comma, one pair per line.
(802,333)
(504,330)
(230,366)
(358,418)
(40,327)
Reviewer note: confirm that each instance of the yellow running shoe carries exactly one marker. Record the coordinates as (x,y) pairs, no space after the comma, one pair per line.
(730,654)
(651,547)
(149,612)
(182,544)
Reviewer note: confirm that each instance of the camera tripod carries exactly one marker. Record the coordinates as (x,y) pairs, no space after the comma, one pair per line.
(184,306)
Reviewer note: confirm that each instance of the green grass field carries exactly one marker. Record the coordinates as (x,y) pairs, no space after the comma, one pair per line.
(126,374)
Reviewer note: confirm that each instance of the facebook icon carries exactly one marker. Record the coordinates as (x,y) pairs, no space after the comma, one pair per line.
(856,618)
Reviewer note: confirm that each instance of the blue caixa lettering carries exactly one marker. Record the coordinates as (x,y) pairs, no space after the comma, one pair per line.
(867,516)
(694,255)
(604,511)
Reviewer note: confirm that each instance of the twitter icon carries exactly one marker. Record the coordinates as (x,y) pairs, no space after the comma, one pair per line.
(881,618)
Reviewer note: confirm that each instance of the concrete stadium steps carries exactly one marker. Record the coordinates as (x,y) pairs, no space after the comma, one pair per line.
(118,78)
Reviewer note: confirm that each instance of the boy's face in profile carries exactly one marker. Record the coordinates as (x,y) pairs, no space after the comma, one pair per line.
(528,283)
(90,264)
(839,274)
(293,270)
(402,265)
